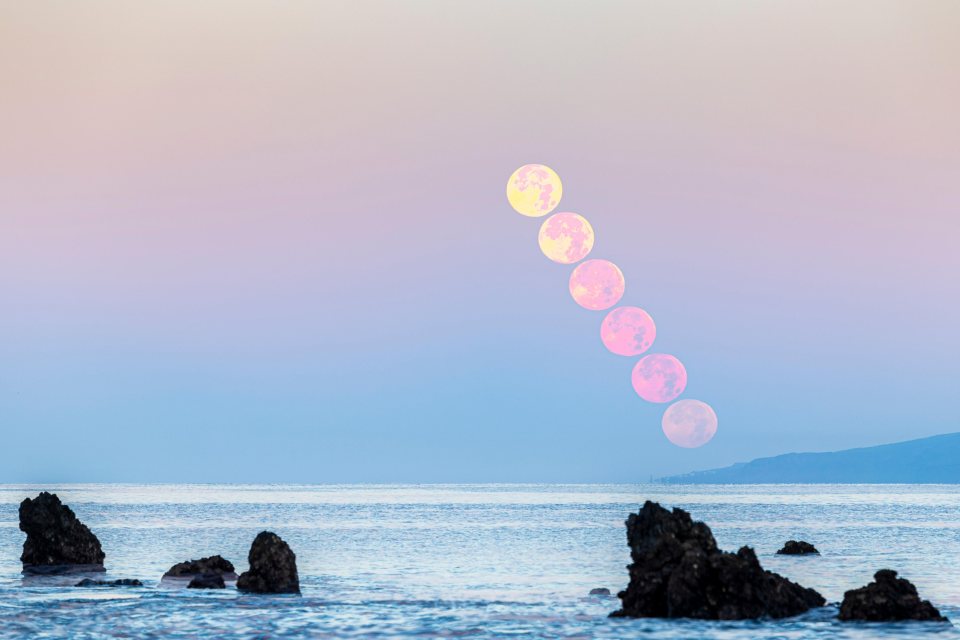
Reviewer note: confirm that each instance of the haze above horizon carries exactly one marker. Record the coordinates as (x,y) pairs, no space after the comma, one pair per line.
(268,242)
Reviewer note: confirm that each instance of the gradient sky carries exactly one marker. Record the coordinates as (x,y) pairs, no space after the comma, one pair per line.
(269,241)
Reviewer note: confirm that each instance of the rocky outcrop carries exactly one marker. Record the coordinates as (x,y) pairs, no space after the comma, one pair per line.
(212,566)
(56,540)
(124,582)
(678,572)
(600,591)
(273,567)
(209,581)
(798,548)
(887,598)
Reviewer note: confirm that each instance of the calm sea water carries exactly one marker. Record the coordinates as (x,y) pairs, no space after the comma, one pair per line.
(468,560)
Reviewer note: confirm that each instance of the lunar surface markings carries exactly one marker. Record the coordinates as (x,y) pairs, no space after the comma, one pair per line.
(534,190)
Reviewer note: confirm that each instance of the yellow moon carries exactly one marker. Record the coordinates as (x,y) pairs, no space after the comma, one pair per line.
(534,190)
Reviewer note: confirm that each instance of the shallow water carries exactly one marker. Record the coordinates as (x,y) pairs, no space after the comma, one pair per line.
(468,560)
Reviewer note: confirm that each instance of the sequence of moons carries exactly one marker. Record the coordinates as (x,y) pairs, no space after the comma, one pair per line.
(689,423)
(597,284)
(659,377)
(566,238)
(534,190)
(628,331)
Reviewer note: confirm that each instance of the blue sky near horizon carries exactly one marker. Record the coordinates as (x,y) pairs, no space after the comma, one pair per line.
(281,251)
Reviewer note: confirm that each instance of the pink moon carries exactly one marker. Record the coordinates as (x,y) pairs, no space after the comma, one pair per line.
(566,238)
(596,284)
(659,377)
(628,331)
(689,423)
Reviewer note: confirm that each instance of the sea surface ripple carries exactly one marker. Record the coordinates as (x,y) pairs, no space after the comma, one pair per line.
(468,560)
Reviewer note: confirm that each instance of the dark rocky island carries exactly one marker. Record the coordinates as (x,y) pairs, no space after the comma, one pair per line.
(208,581)
(124,582)
(212,566)
(798,548)
(273,567)
(57,542)
(887,598)
(678,572)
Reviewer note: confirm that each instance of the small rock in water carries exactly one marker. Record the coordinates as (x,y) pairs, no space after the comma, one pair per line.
(887,598)
(209,581)
(798,548)
(600,591)
(56,540)
(273,567)
(678,572)
(214,565)
(125,582)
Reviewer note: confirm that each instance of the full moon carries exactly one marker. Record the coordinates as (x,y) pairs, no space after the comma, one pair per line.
(566,238)
(628,331)
(596,284)
(659,377)
(534,190)
(689,423)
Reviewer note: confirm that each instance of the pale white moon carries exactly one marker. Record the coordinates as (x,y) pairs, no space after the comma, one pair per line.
(689,423)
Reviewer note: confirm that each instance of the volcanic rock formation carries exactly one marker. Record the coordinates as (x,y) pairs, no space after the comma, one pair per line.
(678,572)
(798,548)
(212,566)
(56,540)
(123,582)
(887,598)
(208,581)
(273,567)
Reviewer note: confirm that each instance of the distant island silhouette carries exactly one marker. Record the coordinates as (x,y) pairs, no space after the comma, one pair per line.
(933,460)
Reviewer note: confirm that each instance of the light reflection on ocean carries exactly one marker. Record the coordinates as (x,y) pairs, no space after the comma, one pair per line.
(467,560)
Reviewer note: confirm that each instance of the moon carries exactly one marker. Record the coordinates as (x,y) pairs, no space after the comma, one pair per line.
(659,377)
(534,190)
(628,331)
(689,423)
(596,284)
(566,238)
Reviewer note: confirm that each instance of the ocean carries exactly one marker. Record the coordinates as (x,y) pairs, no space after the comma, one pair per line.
(468,560)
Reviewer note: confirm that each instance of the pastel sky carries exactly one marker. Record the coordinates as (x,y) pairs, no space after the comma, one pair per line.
(269,241)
